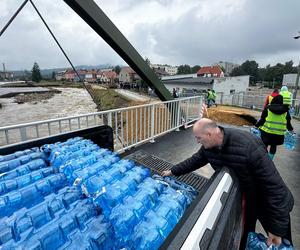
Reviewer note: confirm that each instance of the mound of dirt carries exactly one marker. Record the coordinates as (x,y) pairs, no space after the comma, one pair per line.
(33,97)
(232,115)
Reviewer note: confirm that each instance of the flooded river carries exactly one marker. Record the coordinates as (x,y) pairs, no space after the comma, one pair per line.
(69,102)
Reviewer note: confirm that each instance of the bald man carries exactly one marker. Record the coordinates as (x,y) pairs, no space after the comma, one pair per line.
(267,197)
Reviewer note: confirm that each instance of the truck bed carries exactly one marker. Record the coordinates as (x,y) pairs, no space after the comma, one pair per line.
(213,219)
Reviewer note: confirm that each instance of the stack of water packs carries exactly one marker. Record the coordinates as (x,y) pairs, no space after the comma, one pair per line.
(76,195)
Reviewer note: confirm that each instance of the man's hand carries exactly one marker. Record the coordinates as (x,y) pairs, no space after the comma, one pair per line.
(166,173)
(273,239)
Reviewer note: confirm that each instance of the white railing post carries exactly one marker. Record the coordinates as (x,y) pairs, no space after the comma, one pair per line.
(199,103)
(152,123)
(23,134)
(6,136)
(109,120)
(178,115)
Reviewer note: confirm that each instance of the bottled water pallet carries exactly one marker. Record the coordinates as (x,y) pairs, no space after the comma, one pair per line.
(158,165)
(80,195)
(110,205)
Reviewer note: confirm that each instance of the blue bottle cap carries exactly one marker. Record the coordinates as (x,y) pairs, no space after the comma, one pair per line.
(261,237)
(286,242)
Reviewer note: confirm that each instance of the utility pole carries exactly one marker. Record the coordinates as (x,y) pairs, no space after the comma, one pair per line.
(4,72)
(298,73)
(297,82)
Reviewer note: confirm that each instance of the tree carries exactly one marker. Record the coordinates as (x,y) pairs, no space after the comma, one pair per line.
(53,75)
(238,71)
(147,61)
(247,68)
(117,69)
(184,69)
(195,69)
(36,73)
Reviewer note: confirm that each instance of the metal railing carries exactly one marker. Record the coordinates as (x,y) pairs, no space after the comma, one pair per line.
(131,125)
(253,102)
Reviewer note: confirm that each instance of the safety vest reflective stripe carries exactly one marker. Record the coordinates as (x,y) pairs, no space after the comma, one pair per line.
(275,124)
(275,129)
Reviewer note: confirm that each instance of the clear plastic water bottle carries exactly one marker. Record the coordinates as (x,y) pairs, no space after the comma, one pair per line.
(290,140)
(163,226)
(131,183)
(123,220)
(146,236)
(168,213)
(136,206)
(255,131)
(292,111)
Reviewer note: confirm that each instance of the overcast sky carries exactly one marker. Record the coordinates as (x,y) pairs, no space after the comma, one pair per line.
(165,31)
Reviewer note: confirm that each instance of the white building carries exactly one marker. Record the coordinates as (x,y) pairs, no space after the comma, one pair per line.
(289,80)
(231,85)
(225,85)
(171,70)
(227,66)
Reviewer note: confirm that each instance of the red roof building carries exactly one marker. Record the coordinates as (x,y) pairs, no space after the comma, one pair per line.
(210,71)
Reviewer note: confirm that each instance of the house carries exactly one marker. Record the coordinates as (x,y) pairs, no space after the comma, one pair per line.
(101,78)
(210,71)
(160,72)
(69,75)
(6,75)
(128,75)
(60,75)
(91,76)
(111,76)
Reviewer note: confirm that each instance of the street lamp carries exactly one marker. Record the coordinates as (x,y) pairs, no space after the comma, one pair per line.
(297,37)
(298,73)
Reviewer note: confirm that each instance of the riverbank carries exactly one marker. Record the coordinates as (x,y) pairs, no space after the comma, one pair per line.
(106,99)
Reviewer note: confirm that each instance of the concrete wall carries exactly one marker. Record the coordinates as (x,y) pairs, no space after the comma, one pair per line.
(231,85)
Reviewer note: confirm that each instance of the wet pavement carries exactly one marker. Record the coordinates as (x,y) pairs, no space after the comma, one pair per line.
(136,96)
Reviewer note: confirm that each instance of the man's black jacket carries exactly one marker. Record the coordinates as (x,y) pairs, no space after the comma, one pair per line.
(247,156)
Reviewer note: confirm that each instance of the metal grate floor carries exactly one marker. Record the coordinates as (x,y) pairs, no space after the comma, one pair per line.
(158,165)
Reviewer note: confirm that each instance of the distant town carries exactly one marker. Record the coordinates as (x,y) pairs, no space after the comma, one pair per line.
(184,79)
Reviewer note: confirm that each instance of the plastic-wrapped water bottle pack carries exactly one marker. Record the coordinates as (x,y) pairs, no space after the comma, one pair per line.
(290,140)
(257,241)
(74,193)
(256,132)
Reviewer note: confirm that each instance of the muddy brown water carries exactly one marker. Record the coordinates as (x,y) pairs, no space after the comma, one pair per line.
(70,102)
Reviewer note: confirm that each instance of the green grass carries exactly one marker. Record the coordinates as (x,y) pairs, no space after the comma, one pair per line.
(109,99)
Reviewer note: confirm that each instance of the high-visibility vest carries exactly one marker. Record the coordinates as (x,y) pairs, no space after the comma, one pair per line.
(286,97)
(270,99)
(214,96)
(274,124)
(209,95)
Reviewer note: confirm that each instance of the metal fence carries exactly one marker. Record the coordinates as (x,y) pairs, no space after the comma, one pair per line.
(253,102)
(131,125)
